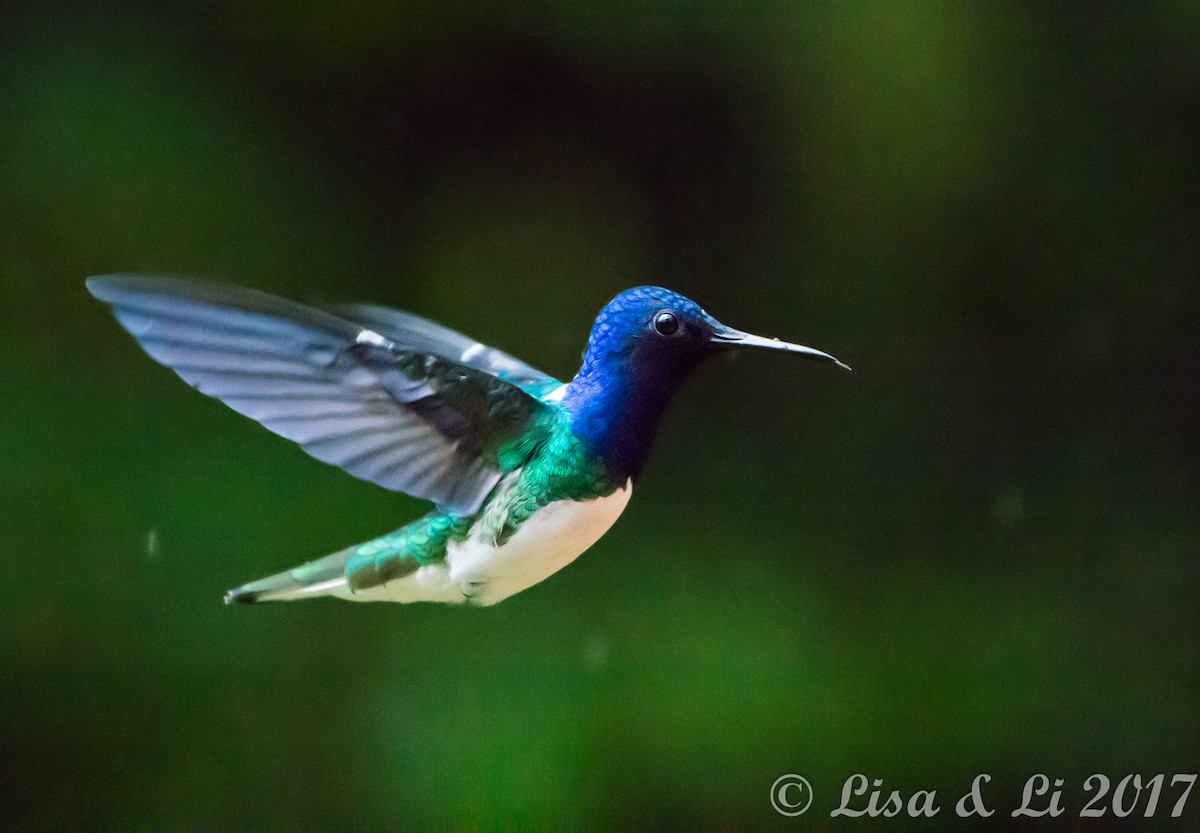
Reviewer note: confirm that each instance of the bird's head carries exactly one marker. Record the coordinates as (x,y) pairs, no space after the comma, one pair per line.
(643,344)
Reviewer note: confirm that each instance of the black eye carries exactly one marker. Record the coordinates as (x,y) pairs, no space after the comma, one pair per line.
(666,323)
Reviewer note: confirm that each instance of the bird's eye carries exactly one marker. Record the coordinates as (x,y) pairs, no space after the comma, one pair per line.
(666,323)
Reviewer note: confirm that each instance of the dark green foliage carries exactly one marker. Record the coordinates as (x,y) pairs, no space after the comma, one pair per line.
(976,553)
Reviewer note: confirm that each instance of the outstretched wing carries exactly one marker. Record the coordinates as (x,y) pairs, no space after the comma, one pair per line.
(401,415)
(421,334)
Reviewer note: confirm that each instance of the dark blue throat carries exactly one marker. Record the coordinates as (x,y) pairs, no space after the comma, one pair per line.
(615,402)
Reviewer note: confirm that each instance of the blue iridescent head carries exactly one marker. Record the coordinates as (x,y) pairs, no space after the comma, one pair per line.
(643,345)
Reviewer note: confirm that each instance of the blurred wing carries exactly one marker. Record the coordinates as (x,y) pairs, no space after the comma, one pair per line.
(404,417)
(421,334)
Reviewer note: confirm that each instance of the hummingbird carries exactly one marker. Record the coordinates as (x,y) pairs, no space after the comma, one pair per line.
(525,472)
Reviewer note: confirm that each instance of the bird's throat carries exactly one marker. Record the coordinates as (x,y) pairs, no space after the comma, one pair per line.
(616,417)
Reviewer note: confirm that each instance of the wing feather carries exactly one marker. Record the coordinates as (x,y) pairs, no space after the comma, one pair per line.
(424,335)
(391,407)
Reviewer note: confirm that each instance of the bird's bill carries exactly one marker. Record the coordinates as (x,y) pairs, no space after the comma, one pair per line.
(726,337)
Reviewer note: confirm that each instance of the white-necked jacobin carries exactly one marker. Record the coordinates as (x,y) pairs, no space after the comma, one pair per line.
(526,472)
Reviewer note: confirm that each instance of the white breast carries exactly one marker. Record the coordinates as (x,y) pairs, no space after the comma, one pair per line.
(549,540)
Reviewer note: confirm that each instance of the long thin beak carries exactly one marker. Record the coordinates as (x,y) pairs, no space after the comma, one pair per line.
(726,337)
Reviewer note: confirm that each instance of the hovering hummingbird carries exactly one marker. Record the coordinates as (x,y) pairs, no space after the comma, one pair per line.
(526,472)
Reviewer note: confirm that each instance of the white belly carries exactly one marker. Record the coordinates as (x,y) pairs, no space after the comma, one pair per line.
(478,572)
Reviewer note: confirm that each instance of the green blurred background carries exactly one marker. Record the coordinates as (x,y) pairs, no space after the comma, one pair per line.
(978,553)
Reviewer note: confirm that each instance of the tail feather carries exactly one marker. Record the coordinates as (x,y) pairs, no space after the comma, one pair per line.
(322,577)
(361,567)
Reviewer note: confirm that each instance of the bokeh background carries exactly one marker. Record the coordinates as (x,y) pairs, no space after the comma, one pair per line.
(977,553)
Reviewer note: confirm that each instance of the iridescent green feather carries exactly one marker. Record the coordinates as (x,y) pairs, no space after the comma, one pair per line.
(563,469)
(559,468)
(404,551)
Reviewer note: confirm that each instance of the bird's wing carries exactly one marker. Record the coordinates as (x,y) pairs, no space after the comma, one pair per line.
(422,334)
(403,416)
